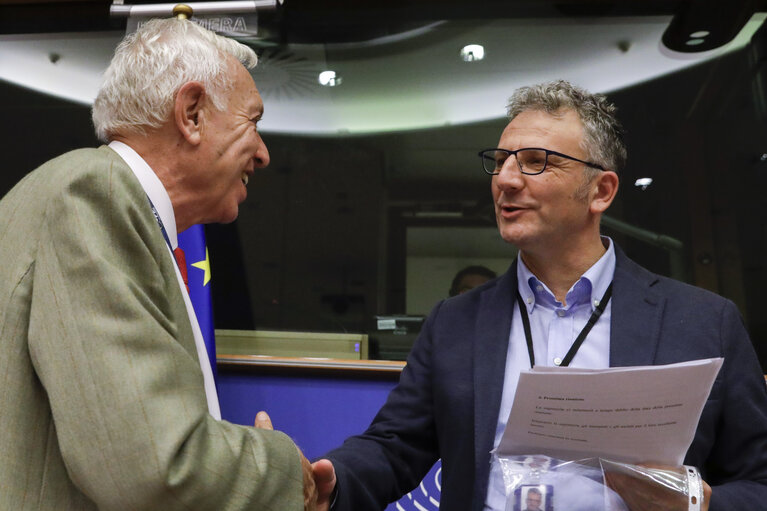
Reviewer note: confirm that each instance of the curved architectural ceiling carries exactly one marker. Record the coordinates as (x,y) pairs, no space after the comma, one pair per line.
(413,80)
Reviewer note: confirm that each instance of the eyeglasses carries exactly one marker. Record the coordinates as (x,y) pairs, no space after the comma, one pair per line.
(530,160)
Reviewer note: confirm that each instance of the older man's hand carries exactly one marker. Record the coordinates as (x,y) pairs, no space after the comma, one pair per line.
(310,488)
(641,493)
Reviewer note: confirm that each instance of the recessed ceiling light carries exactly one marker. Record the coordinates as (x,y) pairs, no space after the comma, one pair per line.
(330,79)
(472,52)
(643,182)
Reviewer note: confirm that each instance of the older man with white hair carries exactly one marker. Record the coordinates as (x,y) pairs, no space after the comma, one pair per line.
(107,398)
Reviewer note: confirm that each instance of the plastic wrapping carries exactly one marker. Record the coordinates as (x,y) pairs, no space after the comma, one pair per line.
(541,483)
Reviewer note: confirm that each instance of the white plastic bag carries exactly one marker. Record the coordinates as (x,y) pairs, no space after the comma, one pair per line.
(541,483)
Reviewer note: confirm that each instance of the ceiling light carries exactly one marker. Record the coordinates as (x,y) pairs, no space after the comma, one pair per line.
(695,42)
(643,182)
(699,34)
(330,79)
(472,52)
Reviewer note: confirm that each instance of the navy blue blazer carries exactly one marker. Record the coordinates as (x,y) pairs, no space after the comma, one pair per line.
(447,401)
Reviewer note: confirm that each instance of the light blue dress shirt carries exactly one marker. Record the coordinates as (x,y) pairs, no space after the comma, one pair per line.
(554,327)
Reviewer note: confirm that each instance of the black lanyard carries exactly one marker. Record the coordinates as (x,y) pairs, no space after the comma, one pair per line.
(598,310)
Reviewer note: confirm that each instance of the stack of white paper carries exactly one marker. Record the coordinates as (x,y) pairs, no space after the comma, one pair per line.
(630,414)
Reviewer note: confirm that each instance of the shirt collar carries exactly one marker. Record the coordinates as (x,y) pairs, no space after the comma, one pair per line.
(152,186)
(594,282)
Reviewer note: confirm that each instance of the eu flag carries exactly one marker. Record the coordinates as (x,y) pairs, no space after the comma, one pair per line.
(424,498)
(192,242)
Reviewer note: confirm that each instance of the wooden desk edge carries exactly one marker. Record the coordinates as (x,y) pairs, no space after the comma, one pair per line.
(331,364)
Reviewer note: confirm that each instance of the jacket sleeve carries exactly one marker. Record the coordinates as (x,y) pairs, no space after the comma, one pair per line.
(736,466)
(110,341)
(400,446)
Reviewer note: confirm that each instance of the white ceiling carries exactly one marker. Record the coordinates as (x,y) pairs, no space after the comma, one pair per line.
(414,81)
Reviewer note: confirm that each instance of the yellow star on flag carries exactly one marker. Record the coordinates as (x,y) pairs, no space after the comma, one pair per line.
(204,266)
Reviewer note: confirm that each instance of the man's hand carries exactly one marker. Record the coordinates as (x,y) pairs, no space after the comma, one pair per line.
(325,479)
(642,494)
(310,489)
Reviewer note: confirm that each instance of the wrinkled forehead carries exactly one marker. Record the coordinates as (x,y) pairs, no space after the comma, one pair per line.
(244,92)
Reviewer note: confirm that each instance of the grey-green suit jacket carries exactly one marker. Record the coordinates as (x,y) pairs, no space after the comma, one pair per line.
(102,403)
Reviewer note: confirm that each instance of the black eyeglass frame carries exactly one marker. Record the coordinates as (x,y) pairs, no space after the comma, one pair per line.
(545,163)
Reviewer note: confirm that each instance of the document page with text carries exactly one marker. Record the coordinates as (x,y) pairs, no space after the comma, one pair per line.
(629,414)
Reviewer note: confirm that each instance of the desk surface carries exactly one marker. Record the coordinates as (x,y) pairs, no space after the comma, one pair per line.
(329,364)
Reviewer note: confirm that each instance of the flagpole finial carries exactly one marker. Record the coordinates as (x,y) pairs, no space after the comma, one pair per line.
(182,11)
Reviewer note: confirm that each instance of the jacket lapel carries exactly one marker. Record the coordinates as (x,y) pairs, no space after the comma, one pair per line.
(636,315)
(491,342)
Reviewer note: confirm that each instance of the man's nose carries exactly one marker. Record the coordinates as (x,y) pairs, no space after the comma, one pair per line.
(261,157)
(510,176)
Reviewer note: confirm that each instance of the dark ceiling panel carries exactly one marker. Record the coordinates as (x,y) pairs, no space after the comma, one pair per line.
(327,21)
(703,25)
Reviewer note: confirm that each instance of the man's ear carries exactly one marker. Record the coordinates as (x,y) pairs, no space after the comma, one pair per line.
(604,191)
(186,111)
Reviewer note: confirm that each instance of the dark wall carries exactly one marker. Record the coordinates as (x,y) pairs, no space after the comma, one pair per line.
(310,233)
(700,134)
(35,128)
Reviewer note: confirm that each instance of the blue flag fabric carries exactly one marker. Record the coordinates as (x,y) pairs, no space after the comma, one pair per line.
(424,498)
(192,242)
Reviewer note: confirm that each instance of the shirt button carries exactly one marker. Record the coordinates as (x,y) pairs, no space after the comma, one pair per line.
(557,361)
(539,288)
(561,313)
(529,300)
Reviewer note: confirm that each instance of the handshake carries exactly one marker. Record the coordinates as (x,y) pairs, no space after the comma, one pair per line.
(319,477)
(641,487)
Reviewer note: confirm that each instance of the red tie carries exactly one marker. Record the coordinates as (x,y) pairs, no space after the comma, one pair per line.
(181,260)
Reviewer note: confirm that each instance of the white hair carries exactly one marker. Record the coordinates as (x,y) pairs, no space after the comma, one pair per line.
(150,66)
